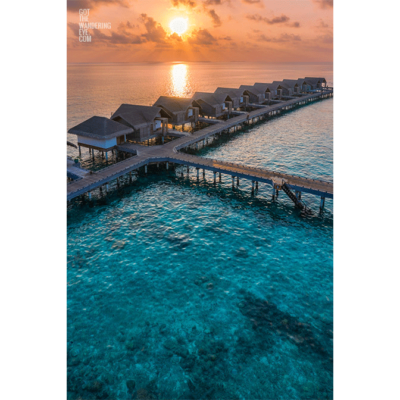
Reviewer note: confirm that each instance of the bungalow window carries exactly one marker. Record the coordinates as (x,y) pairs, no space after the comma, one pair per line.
(190,112)
(223,106)
(241,99)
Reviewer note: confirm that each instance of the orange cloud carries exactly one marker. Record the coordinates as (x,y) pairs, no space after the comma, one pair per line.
(324,3)
(202,37)
(76,5)
(215,18)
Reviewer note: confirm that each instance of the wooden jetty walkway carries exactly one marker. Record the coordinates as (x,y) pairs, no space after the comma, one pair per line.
(169,153)
(74,170)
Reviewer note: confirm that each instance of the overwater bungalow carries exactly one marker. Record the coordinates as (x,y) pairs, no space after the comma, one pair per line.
(282,88)
(211,104)
(256,96)
(302,85)
(315,83)
(147,122)
(179,110)
(292,85)
(234,95)
(100,133)
(267,89)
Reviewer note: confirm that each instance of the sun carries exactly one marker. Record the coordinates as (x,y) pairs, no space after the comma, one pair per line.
(179,25)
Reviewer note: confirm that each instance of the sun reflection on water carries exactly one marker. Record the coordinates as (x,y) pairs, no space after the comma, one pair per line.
(180,85)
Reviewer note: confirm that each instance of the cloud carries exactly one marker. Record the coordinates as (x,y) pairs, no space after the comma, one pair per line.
(202,37)
(283,19)
(212,2)
(215,18)
(276,20)
(176,37)
(225,38)
(324,3)
(76,5)
(74,28)
(115,38)
(325,39)
(258,3)
(187,3)
(155,32)
(127,25)
(322,24)
(281,39)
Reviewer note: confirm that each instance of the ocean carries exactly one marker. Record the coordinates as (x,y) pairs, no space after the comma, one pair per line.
(179,289)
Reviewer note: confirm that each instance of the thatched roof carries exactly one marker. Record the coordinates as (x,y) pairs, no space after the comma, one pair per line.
(213,99)
(173,104)
(291,83)
(281,84)
(231,92)
(263,86)
(314,81)
(137,116)
(252,89)
(301,81)
(71,144)
(100,128)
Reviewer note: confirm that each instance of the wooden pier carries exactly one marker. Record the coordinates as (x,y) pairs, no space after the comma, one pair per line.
(170,153)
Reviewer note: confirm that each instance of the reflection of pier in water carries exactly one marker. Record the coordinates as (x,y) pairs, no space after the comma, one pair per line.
(169,154)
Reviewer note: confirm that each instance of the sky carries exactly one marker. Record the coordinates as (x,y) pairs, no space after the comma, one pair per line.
(218,31)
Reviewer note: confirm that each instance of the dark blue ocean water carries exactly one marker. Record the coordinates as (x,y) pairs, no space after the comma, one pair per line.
(179,289)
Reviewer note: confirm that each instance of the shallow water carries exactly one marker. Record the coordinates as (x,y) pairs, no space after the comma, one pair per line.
(179,289)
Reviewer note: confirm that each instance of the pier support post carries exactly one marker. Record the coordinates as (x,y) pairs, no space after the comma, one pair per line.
(322,205)
(220,176)
(198,173)
(118,182)
(273,192)
(106,155)
(145,169)
(233,181)
(257,185)
(215,177)
(252,187)
(79,147)
(101,190)
(204,173)
(130,176)
(167,164)
(204,142)
(106,187)
(237,181)
(188,169)
(298,194)
(158,165)
(90,195)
